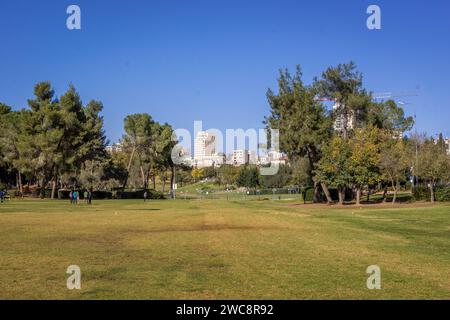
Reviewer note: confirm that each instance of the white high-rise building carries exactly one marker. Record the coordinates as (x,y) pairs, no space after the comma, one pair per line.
(205,151)
(240,157)
(447,145)
(252,157)
(204,145)
(114,148)
(339,121)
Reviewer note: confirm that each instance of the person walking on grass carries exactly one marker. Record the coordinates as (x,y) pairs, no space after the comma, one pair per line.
(86,196)
(90,195)
(75,197)
(1,196)
(71,197)
(145,195)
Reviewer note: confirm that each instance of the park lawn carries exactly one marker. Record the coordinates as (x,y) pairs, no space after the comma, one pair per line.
(219,249)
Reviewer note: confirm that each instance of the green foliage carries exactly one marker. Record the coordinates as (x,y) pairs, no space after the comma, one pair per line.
(248,178)
(4,109)
(443,194)
(148,146)
(151,194)
(433,162)
(365,157)
(303,122)
(388,116)
(197,174)
(209,172)
(343,84)
(421,193)
(279,180)
(309,194)
(227,175)
(335,166)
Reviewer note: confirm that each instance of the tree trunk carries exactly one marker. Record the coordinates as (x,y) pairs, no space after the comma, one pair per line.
(432,192)
(42,187)
(172,177)
(144,184)
(358,196)
(327,193)
(341,191)
(316,197)
(20,184)
(154,182)
(385,194)
(368,194)
(395,186)
(128,169)
(53,187)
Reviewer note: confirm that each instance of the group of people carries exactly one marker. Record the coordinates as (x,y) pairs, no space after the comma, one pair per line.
(2,196)
(75,197)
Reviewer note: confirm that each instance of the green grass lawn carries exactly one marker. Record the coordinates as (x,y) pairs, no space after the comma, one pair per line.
(218,249)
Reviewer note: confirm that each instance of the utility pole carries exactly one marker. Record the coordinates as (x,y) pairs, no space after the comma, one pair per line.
(174,181)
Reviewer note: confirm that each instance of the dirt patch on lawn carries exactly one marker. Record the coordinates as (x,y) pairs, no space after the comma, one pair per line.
(203,227)
(365,206)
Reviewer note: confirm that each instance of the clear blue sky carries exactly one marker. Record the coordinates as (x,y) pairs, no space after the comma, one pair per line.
(213,60)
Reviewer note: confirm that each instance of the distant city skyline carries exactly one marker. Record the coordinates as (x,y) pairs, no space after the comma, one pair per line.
(214,60)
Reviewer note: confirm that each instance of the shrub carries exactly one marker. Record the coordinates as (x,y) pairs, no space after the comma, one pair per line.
(421,193)
(442,194)
(13,193)
(309,194)
(151,194)
(41,193)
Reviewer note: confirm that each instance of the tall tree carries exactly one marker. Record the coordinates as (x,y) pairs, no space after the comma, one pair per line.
(137,141)
(303,122)
(394,163)
(334,167)
(46,131)
(433,165)
(365,158)
(389,117)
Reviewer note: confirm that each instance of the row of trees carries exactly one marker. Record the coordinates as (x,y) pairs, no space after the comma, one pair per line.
(59,143)
(359,144)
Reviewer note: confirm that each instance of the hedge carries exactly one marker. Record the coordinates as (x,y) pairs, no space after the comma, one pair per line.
(442,194)
(139,194)
(422,193)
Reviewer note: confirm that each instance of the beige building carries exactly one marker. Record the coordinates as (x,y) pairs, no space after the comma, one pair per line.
(240,157)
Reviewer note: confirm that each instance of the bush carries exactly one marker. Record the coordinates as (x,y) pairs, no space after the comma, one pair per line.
(421,193)
(41,193)
(63,194)
(13,193)
(101,195)
(152,194)
(309,194)
(442,194)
